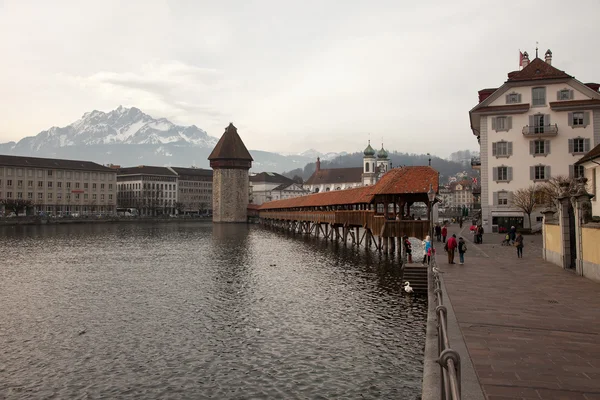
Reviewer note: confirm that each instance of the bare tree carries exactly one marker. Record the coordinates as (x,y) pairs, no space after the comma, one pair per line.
(179,206)
(525,200)
(16,205)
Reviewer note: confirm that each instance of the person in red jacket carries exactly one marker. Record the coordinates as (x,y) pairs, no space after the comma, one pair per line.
(444,233)
(452,245)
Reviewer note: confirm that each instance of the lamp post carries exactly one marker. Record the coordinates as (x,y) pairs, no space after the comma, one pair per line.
(431,196)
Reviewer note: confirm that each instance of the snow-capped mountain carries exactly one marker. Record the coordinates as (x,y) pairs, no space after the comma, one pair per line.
(120,126)
(313,154)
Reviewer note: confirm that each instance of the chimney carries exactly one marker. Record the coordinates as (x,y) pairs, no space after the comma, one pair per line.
(485,93)
(525,59)
(318,164)
(548,57)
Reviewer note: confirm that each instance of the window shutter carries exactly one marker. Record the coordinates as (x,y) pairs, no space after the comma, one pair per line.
(508,123)
(519,98)
(571,146)
(547,172)
(586,119)
(532,173)
(586,145)
(571,119)
(494,123)
(507,99)
(571,171)
(531,120)
(509,174)
(495,173)
(510,198)
(494,149)
(495,198)
(571,95)
(546,146)
(531,146)
(509,148)
(558,95)
(546,119)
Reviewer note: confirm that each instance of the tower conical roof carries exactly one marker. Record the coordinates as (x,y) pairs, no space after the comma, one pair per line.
(369,151)
(230,147)
(383,154)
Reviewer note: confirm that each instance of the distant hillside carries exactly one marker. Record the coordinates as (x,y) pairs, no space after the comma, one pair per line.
(446,168)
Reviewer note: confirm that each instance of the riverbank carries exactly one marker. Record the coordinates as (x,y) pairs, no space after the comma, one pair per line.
(113,220)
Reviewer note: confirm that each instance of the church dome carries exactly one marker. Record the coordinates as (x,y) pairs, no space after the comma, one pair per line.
(382,153)
(369,151)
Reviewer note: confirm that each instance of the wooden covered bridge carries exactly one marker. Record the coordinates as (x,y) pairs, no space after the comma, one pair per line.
(373,215)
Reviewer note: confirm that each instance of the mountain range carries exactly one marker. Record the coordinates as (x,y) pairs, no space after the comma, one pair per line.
(129,137)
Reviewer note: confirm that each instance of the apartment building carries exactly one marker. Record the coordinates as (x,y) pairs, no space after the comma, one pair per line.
(532,128)
(269,186)
(194,193)
(591,163)
(58,187)
(150,190)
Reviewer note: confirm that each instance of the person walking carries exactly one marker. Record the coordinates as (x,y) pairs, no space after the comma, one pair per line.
(408,249)
(451,245)
(444,233)
(519,245)
(438,232)
(513,234)
(480,234)
(427,250)
(462,249)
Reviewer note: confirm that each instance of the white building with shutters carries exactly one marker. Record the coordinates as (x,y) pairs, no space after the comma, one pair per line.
(533,127)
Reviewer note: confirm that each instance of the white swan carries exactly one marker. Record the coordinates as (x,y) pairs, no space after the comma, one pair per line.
(437,271)
(407,287)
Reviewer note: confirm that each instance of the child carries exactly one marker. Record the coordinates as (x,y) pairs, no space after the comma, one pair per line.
(462,249)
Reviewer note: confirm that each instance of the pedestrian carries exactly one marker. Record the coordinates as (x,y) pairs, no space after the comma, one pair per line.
(427,250)
(408,249)
(519,245)
(438,232)
(444,233)
(513,234)
(480,234)
(451,245)
(462,249)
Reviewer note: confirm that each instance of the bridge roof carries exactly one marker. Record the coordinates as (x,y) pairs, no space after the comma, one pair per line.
(411,181)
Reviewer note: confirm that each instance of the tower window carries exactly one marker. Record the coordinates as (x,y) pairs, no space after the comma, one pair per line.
(367,167)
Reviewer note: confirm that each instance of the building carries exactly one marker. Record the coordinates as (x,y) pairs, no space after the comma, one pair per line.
(58,187)
(150,190)
(532,128)
(591,164)
(325,180)
(194,190)
(230,161)
(268,186)
(462,193)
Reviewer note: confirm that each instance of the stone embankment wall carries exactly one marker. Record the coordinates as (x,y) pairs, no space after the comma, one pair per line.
(230,195)
(591,251)
(552,249)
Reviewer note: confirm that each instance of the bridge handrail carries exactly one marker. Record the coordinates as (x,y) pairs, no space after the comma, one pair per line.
(448,359)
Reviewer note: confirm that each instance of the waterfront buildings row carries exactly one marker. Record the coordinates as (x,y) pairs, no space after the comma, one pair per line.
(532,128)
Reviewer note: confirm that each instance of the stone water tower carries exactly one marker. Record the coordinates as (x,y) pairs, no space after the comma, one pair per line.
(230,161)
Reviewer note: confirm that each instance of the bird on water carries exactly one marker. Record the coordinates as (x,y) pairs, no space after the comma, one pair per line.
(407,287)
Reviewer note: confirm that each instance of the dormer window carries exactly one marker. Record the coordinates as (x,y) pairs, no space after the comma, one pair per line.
(513,98)
(564,94)
(538,96)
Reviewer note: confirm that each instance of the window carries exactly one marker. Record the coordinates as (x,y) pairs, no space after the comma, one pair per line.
(110,196)
(538,96)
(94,197)
(76,196)
(576,171)
(19,195)
(579,119)
(502,174)
(9,195)
(19,184)
(85,185)
(29,183)
(40,196)
(9,182)
(40,184)
(539,172)
(101,197)
(564,94)
(500,124)
(49,172)
(30,195)
(539,147)
(538,123)
(513,98)
(502,149)
(49,196)
(59,184)
(579,145)
(110,186)
(85,196)
(76,185)
(102,186)
(367,167)
(58,196)
(94,186)
(68,185)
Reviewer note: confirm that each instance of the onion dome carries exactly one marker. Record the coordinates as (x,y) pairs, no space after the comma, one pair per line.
(369,151)
(382,153)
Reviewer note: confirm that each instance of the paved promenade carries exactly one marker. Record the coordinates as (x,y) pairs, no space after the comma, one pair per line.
(532,330)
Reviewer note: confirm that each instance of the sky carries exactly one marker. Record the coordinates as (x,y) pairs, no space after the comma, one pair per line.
(291,75)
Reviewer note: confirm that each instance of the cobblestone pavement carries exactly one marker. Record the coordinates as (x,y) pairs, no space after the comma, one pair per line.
(531,328)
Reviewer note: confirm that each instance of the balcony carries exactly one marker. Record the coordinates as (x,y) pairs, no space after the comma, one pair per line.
(475,163)
(540,131)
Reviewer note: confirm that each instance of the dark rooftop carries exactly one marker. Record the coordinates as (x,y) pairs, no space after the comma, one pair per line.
(36,162)
(537,70)
(193,171)
(270,177)
(145,170)
(335,175)
(230,147)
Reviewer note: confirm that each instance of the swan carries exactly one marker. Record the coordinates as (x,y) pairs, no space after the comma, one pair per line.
(437,271)
(407,287)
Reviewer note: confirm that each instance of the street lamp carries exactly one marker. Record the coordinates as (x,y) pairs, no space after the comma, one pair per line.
(431,196)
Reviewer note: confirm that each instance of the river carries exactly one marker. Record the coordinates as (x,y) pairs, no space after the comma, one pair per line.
(196,310)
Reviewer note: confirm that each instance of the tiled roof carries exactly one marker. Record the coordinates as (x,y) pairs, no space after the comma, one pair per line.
(270,177)
(591,155)
(230,147)
(508,109)
(537,70)
(193,171)
(570,104)
(405,180)
(335,175)
(36,162)
(146,170)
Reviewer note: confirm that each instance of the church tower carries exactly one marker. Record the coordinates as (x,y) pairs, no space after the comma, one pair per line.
(230,161)
(369,167)
(383,162)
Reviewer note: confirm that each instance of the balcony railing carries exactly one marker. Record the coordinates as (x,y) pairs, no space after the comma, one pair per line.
(540,130)
(475,161)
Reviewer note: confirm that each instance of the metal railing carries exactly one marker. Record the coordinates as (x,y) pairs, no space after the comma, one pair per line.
(448,359)
(540,130)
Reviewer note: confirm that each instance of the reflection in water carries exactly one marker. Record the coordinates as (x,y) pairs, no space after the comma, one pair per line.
(198,310)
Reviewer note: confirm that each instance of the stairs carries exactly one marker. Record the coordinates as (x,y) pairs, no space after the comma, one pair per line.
(416,274)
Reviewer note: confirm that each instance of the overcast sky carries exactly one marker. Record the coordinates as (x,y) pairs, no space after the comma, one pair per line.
(291,75)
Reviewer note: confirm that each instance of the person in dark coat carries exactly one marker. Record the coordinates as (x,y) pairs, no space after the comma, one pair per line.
(462,249)
(480,234)
(519,245)
(438,232)
(408,249)
(512,234)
